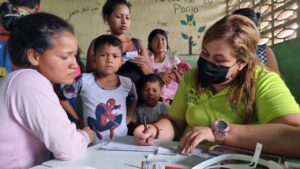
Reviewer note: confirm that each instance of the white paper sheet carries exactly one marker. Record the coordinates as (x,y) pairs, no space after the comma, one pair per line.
(171,151)
(128,144)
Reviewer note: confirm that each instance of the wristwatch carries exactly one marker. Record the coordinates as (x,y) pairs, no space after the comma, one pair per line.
(220,129)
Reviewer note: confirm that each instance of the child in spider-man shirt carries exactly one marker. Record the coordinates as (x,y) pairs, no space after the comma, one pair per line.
(109,100)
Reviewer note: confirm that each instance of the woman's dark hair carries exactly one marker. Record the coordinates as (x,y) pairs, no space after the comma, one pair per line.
(152,78)
(110,5)
(78,60)
(26,3)
(249,13)
(153,33)
(35,31)
(8,16)
(107,40)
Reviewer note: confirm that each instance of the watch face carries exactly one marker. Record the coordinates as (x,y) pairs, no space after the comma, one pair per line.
(222,125)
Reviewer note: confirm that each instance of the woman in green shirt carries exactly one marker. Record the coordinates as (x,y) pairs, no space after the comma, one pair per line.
(229,98)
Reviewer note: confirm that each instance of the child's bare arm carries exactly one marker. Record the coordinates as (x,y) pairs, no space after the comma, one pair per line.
(131,102)
(131,105)
(177,75)
(69,109)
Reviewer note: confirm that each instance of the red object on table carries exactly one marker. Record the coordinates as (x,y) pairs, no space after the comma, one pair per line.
(171,167)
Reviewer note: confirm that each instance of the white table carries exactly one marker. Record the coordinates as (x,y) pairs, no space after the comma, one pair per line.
(96,158)
(102,159)
(40,167)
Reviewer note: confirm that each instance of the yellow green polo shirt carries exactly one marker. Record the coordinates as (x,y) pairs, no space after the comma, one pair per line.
(272,99)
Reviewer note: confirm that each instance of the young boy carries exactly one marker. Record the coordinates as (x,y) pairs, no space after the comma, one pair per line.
(150,107)
(104,93)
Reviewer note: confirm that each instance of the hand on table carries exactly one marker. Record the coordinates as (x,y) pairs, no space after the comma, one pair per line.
(90,133)
(194,137)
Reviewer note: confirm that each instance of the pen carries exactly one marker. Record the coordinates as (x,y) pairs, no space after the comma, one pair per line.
(131,165)
(145,123)
(145,126)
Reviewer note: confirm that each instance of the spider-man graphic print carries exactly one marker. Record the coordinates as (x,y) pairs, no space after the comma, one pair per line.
(107,118)
(104,109)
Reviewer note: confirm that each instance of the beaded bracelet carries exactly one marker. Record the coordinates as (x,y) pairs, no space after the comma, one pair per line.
(157,130)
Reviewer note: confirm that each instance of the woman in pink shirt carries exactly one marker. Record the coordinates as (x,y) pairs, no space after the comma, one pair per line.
(32,121)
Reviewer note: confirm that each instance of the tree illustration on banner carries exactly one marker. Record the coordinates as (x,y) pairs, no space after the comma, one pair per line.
(191,23)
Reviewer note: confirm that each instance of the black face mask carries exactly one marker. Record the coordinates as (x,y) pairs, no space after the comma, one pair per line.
(211,73)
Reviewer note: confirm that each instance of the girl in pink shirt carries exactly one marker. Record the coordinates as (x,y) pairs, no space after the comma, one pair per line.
(162,63)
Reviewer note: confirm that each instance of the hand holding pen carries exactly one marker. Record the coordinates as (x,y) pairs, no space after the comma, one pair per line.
(145,134)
